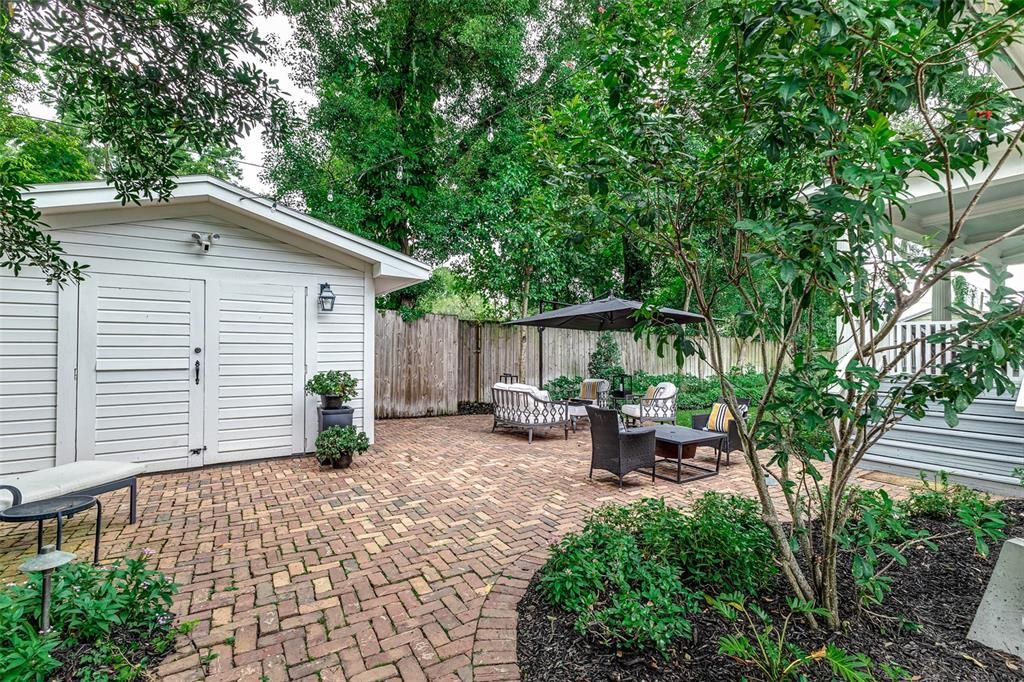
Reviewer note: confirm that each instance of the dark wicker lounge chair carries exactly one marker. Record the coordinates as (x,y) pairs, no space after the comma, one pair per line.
(700,421)
(615,450)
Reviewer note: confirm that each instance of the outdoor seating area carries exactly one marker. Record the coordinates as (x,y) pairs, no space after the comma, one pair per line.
(620,443)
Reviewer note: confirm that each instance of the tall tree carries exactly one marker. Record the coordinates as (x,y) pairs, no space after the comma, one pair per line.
(146,81)
(406,91)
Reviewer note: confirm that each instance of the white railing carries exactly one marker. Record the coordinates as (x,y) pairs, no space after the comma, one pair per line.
(924,353)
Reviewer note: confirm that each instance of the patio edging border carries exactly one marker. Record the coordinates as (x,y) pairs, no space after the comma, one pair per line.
(495,639)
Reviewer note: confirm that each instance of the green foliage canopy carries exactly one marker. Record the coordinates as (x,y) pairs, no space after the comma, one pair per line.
(144,81)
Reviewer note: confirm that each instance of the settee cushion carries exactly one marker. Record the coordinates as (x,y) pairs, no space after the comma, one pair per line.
(65,479)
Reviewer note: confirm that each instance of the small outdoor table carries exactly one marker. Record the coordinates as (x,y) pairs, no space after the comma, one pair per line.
(617,401)
(59,508)
(677,443)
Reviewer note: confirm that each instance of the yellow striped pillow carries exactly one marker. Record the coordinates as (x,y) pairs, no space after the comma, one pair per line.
(719,418)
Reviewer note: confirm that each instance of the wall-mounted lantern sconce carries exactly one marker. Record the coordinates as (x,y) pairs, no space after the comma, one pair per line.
(326,298)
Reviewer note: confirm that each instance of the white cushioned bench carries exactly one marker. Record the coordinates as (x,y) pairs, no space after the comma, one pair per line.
(85,478)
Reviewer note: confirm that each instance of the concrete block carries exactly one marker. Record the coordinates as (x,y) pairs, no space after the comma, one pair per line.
(999,622)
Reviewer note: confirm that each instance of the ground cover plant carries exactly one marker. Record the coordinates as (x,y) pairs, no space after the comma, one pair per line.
(634,573)
(107,623)
(761,634)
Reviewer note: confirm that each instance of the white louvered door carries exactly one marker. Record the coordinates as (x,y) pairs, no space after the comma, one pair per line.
(138,395)
(178,373)
(255,405)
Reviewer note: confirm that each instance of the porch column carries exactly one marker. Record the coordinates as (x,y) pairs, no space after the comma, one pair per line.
(942,299)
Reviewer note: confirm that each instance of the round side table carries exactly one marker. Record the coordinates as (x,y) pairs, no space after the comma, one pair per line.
(59,508)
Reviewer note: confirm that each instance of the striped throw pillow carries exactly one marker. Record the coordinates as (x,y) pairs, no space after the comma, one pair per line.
(719,418)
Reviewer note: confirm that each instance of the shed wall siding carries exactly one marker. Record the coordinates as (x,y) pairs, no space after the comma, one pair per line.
(28,372)
(162,248)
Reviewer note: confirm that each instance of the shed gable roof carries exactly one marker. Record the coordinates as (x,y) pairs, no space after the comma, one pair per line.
(65,204)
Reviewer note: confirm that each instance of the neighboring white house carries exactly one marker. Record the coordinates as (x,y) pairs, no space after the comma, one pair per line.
(179,351)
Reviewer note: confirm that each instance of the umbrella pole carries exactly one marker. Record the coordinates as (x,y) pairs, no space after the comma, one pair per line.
(540,358)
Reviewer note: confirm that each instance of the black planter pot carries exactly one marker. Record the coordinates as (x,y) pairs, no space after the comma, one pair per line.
(342,416)
(343,462)
(330,402)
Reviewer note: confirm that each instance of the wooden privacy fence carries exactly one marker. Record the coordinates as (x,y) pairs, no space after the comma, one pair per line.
(427,366)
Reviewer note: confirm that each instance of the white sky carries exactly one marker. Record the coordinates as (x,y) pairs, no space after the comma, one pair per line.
(276,28)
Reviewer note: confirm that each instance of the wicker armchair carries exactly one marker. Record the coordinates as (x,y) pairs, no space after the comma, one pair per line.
(617,451)
(659,407)
(520,406)
(700,422)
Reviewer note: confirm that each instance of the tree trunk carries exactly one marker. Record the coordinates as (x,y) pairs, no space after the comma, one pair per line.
(636,269)
(410,295)
(524,310)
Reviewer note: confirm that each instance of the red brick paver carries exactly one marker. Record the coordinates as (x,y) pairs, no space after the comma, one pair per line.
(407,566)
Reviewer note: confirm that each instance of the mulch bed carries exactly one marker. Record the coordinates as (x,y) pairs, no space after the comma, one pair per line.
(139,651)
(938,590)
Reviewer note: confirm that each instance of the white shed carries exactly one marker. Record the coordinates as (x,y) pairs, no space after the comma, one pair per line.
(177,356)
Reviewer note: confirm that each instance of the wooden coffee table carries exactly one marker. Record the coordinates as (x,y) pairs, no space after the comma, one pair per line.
(678,443)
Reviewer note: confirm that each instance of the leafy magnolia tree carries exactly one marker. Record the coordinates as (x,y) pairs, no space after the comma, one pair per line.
(772,150)
(146,82)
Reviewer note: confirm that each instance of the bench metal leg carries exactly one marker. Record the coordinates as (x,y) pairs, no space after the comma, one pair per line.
(39,538)
(60,529)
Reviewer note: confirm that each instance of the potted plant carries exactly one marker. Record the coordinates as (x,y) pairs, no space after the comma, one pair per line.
(335,388)
(336,444)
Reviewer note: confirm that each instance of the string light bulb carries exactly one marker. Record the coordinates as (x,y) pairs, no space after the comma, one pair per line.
(490,133)
(400,173)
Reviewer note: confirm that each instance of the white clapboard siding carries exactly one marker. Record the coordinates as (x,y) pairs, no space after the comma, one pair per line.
(141,396)
(259,407)
(28,372)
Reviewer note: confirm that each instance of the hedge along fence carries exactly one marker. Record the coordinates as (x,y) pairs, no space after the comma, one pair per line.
(427,366)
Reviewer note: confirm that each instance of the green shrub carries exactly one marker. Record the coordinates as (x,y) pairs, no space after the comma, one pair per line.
(940,500)
(635,571)
(729,545)
(335,442)
(875,535)
(334,383)
(606,359)
(721,545)
(880,529)
(89,605)
(563,387)
(618,595)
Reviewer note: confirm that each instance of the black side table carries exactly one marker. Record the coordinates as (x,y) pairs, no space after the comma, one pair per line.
(59,508)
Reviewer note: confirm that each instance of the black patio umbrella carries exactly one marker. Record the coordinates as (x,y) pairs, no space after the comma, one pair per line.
(608,313)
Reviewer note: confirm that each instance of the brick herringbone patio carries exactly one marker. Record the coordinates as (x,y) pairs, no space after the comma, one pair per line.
(407,566)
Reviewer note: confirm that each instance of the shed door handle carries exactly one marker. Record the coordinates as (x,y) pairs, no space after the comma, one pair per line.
(197,372)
